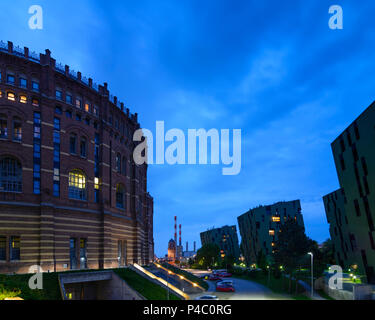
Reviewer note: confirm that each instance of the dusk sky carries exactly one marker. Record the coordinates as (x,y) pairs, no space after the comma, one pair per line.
(273,69)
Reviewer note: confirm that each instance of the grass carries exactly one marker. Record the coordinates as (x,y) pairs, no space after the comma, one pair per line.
(146,288)
(187,275)
(18,285)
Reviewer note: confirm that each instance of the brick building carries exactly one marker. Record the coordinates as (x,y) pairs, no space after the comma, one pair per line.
(351,209)
(259,227)
(71,196)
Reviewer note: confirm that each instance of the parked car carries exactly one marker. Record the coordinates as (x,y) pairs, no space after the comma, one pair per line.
(230,282)
(224,274)
(224,287)
(214,277)
(207,297)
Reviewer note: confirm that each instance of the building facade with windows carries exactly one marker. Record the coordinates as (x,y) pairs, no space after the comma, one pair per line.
(225,237)
(71,196)
(260,226)
(351,209)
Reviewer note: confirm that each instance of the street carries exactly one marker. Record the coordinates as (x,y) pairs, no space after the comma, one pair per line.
(245,290)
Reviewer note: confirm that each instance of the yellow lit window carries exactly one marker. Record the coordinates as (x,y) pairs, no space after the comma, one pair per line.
(87,107)
(1,94)
(23,99)
(272,232)
(272,244)
(11,96)
(276,219)
(96,183)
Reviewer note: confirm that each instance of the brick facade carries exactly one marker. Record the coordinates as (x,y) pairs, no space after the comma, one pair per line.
(46,222)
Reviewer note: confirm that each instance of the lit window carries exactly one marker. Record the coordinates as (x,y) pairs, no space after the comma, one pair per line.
(77,185)
(11,96)
(87,107)
(272,232)
(96,183)
(1,94)
(35,102)
(23,99)
(272,244)
(276,219)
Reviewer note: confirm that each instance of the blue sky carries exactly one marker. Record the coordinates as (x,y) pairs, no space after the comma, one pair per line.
(271,68)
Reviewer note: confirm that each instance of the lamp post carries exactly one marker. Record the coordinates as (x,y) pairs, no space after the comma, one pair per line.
(312,273)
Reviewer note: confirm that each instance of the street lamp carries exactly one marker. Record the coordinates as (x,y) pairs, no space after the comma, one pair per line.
(312,273)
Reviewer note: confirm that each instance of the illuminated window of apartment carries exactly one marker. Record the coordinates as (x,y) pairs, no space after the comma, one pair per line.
(272,244)
(77,185)
(35,102)
(87,107)
(23,99)
(11,96)
(271,232)
(14,248)
(275,219)
(1,94)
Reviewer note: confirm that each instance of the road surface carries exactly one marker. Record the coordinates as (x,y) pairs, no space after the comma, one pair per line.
(245,290)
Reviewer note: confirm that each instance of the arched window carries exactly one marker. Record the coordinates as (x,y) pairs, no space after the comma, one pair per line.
(10,175)
(3,126)
(120,196)
(77,185)
(17,129)
(118,163)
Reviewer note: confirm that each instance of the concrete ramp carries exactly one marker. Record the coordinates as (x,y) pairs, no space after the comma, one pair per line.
(96,285)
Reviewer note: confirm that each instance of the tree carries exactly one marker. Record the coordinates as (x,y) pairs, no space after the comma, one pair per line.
(328,251)
(262,261)
(208,255)
(228,261)
(292,245)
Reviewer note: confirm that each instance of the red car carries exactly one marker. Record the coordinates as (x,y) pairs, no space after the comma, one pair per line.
(214,277)
(224,275)
(224,288)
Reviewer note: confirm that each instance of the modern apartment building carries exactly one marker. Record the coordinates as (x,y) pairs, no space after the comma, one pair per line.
(260,226)
(351,209)
(225,237)
(71,196)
